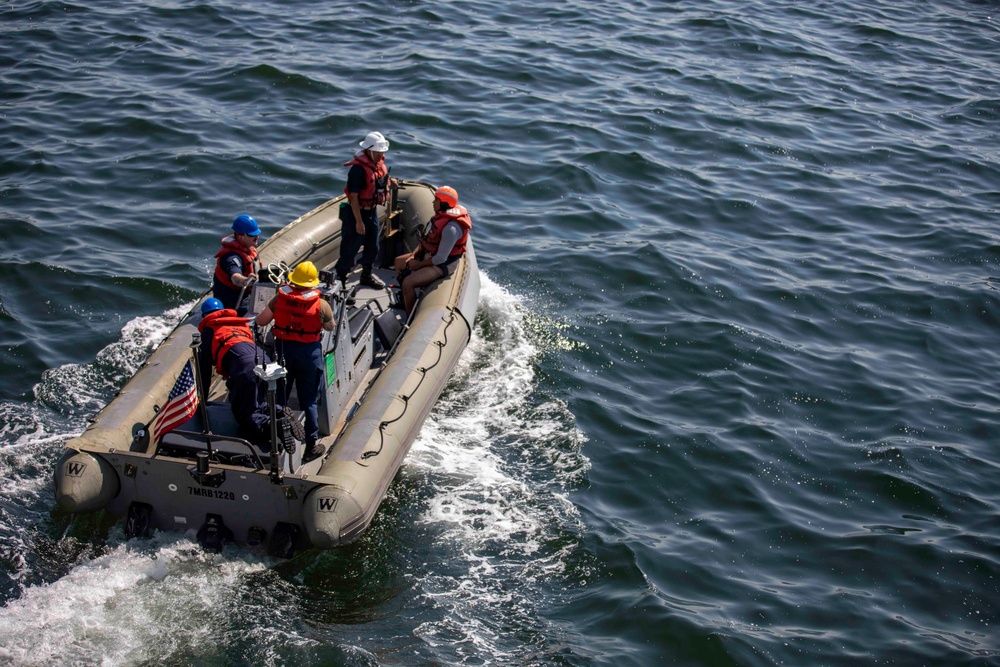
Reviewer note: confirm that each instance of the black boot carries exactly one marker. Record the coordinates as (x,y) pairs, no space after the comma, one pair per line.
(369,279)
(286,440)
(313,451)
(294,424)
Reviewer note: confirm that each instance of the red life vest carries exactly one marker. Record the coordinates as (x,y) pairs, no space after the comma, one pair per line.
(432,239)
(248,255)
(297,315)
(371,194)
(228,329)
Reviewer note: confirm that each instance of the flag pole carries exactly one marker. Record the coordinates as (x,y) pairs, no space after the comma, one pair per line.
(202,399)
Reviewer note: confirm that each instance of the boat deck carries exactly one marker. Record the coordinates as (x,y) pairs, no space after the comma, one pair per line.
(370,307)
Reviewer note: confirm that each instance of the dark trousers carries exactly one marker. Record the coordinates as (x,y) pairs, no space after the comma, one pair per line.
(304,363)
(350,241)
(247,395)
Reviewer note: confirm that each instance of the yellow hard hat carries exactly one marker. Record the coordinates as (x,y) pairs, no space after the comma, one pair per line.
(305,275)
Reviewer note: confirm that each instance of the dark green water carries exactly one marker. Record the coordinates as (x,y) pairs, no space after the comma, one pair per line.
(731,398)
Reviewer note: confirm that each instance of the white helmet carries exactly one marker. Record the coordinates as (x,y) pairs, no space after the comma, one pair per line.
(376,142)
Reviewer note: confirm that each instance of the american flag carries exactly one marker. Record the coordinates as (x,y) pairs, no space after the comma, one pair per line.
(181,404)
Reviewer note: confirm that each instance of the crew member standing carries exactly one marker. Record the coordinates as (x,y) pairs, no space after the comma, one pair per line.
(237,265)
(367,187)
(442,245)
(300,315)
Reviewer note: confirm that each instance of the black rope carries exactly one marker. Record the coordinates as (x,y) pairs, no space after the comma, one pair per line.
(440,344)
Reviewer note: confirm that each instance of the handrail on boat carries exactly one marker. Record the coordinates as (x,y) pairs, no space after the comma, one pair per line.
(216,440)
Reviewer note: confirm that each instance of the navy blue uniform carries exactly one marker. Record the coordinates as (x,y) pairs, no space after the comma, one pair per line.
(247,394)
(231,263)
(350,240)
(304,363)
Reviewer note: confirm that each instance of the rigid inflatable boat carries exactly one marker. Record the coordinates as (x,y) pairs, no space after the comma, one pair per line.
(384,371)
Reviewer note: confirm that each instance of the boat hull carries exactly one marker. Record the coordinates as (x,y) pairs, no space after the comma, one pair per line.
(235,493)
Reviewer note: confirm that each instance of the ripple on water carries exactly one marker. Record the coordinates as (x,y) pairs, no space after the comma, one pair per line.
(741,412)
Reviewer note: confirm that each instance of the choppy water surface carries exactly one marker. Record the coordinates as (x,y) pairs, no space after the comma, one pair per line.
(731,396)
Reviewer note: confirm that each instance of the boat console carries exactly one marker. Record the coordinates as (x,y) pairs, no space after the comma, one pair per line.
(365,332)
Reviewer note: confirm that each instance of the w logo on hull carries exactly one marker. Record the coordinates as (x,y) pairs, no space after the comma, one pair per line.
(326,505)
(75,468)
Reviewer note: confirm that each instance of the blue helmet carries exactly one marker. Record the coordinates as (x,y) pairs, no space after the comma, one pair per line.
(244,224)
(210,306)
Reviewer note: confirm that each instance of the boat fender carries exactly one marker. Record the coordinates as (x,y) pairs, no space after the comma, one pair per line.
(325,513)
(84,482)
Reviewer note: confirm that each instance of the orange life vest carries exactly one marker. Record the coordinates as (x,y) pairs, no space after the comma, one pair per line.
(432,240)
(248,255)
(297,315)
(376,183)
(228,329)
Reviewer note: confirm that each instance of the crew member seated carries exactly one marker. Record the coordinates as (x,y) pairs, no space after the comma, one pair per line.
(442,246)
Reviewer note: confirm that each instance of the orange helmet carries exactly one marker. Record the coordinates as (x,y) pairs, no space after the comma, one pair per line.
(447,195)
